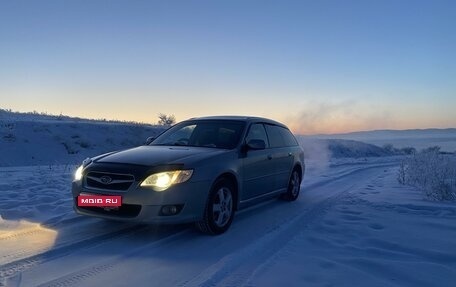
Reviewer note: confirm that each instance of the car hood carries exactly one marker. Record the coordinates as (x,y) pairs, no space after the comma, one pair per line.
(160,155)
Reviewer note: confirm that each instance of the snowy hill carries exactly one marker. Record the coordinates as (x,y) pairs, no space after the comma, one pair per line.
(41,139)
(46,140)
(417,138)
(8,115)
(339,148)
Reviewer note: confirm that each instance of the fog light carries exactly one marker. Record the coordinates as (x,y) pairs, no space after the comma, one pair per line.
(170,210)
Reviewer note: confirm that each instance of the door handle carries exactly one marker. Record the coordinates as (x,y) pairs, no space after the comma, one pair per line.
(269,156)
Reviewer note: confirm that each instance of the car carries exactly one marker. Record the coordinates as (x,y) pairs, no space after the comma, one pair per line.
(201,170)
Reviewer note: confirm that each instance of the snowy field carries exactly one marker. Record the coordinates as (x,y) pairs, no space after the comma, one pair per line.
(353,225)
(418,138)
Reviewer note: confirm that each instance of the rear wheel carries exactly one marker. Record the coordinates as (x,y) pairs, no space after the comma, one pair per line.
(219,211)
(294,186)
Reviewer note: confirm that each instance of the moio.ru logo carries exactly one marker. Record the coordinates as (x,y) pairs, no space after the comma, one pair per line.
(99,200)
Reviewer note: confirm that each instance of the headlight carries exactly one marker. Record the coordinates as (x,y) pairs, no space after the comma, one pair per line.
(78,173)
(162,180)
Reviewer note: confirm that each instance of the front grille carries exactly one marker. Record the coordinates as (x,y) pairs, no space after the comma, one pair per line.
(108,181)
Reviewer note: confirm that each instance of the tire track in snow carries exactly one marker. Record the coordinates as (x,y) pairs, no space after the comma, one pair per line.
(10,269)
(50,223)
(37,239)
(76,278)
(39,234)
(345,173)
(22,233)
(235,269)
(61,220)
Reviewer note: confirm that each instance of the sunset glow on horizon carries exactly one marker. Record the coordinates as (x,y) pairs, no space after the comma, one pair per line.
(319,67)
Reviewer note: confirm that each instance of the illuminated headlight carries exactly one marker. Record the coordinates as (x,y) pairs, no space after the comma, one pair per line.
(78,173)
(162,180)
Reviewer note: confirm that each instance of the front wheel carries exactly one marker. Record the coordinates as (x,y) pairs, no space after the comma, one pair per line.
(219,211)
(294,186)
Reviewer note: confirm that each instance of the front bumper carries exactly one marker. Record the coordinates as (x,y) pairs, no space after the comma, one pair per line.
(144,205)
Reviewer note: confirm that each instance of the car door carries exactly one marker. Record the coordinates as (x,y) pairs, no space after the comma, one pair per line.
(257,165)
(282,157)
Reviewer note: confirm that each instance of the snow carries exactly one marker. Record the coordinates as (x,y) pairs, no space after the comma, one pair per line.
(339,148)
(417,138)
(53,142)
(353,225)
(377,234)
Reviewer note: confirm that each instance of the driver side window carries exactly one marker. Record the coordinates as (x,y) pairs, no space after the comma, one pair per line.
(181,136)
(257,132)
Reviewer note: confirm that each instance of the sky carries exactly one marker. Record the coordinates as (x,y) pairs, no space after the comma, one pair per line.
(317,66)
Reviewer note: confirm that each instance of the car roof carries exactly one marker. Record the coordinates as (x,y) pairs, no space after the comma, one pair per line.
(240,118)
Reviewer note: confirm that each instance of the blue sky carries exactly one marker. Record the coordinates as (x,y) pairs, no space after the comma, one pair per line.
(318,66)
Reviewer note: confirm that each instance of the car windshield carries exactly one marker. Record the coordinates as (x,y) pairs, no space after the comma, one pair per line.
(208,133)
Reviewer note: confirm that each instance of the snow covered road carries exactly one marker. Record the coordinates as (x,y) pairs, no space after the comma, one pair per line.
(353,225)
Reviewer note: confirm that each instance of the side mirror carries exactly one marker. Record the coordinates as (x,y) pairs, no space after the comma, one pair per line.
(149,140)
(256,144)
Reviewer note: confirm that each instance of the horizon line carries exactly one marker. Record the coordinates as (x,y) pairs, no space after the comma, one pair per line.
(56,116)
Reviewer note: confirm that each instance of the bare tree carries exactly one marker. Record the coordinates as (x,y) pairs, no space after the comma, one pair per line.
(165,120)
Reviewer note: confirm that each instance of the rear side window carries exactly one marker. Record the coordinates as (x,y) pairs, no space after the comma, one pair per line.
(280,137)
(288,137)
(275,136)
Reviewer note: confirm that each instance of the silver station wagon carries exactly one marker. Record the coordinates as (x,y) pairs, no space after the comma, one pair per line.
(201,170)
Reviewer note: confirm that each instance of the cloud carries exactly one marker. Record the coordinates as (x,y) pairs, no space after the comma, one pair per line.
(337,117)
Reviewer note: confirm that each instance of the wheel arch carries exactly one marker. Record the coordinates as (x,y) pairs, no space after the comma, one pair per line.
(234,180)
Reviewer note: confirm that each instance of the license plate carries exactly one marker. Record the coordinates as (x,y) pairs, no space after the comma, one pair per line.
(100,200)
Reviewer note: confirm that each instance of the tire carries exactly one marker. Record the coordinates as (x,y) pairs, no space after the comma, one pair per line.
(294,186)
(219,210)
